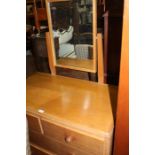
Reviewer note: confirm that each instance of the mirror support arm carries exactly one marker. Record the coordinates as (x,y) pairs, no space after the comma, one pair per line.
(50,54)
(100,58)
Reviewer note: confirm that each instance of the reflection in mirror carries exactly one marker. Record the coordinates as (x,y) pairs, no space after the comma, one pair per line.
(72,29)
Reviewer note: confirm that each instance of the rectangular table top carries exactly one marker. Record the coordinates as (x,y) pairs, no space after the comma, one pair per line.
(79,103)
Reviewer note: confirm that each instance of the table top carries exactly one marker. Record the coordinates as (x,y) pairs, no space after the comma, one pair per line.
(77,103)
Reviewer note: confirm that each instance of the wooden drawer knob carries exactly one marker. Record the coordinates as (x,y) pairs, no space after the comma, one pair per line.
(68,139)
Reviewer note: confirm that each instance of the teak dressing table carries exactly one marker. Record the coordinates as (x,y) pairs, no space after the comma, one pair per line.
(68,116)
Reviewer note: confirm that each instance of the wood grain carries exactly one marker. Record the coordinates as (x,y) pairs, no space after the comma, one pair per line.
(52,145)
(73,139)
(52,57)
(121,143)
(33,123)
(82,104)
(41,14)
(37,24)
(76,64)
(36,150)
(100,58)
(94,35)
(50,54)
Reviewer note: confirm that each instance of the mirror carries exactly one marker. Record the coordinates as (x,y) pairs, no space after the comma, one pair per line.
(72,27)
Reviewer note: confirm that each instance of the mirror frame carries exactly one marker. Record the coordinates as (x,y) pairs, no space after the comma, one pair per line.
(91,65)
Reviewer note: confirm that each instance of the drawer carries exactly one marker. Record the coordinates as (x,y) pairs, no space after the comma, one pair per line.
(53,145)
(74,139)
(36,151)
(33,123)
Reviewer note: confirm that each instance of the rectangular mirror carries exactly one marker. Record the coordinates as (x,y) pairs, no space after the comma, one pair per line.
(72,27)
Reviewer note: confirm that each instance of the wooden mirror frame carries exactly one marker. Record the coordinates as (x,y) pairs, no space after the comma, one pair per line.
(90,65)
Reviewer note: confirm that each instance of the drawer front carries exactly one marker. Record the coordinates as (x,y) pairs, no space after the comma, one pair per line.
(35,151)
(33,123)
(72,138)
(54,146)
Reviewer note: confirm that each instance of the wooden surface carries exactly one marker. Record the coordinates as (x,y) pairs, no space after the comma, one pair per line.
(75,116)
(77,103)
(33,123)
(51,41)
(55,146)
(36,150)
(121,141)
(100,58)
(94,35)
(39,14)
(50,54)
(73,139)
(37,24)
(76,64)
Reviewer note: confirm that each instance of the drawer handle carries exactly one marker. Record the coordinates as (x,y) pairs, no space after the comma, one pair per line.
(68,139)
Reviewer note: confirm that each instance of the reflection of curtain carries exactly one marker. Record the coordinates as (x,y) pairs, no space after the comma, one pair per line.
(83,51)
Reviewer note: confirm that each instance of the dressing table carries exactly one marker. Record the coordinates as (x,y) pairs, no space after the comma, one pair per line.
(68,116)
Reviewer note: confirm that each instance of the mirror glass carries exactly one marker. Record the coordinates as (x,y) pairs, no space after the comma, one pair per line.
(72,33)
